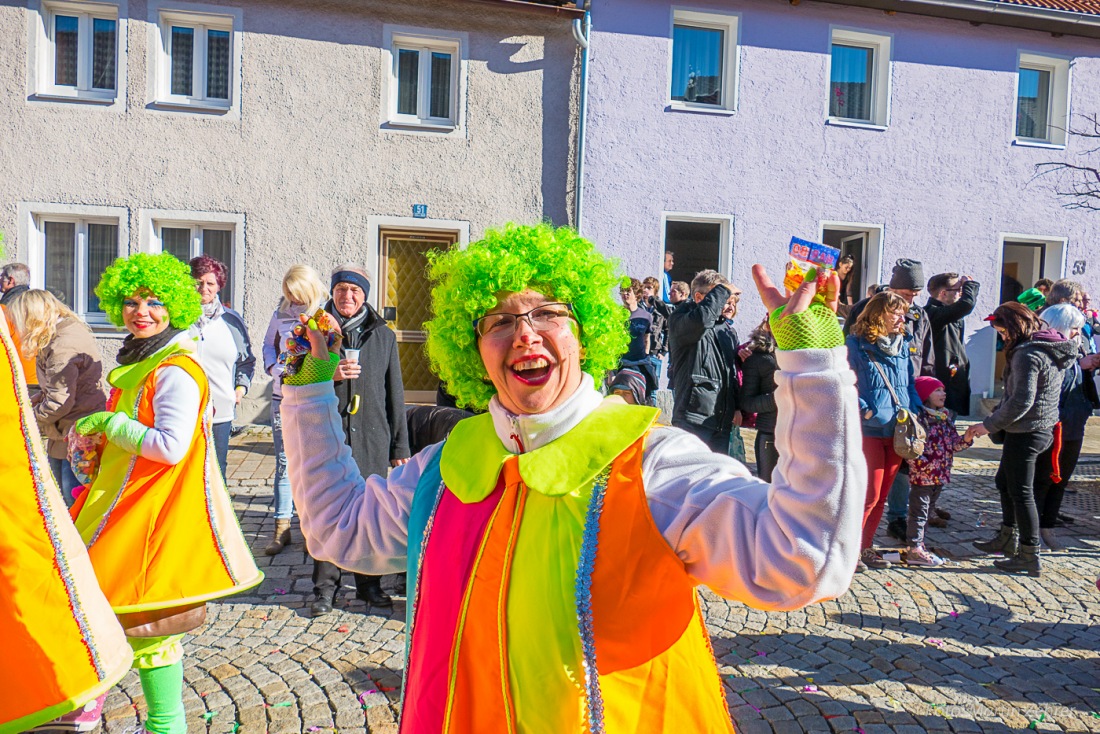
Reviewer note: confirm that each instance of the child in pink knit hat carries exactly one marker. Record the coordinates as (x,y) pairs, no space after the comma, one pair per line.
(932,470)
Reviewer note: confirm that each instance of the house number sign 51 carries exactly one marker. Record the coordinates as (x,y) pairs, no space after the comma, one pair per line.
(1079,267)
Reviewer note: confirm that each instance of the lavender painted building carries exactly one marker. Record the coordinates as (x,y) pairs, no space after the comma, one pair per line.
(720,130)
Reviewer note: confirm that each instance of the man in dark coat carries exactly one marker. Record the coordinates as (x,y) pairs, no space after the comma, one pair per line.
(950,300)
(703,362)
(907,280)
(371,399)
(15,278)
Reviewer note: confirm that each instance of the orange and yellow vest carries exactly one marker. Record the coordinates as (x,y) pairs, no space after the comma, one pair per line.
(161,535)
(546,600)
(60,643)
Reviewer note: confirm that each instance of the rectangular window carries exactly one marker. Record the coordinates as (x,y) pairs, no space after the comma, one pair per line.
(424,79)
(704,60)
(1042,99)
(185,240)
(80,49)
(75,254)
(197,59)
(859,77)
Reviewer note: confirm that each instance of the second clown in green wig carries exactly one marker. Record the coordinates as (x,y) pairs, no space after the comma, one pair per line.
(161,275)
(558,263)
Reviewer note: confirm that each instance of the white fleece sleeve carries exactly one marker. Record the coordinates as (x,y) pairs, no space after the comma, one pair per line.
(359,524)
(776,546)
(175,415)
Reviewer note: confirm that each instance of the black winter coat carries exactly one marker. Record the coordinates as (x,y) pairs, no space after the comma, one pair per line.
(918,328)
(703,363)
(376,432)
(758,389)
(947,337)
(1033,384)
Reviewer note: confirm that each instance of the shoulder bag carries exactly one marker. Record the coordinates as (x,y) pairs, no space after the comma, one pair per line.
(909,434)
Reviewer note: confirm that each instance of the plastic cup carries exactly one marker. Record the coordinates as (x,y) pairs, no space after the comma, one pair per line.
(352,355)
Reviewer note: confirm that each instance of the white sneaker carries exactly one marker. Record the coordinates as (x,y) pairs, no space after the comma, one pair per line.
(917,556)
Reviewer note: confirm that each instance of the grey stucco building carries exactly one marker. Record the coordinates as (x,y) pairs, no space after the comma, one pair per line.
(269,133)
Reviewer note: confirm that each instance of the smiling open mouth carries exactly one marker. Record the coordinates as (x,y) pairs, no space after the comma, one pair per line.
(532,371)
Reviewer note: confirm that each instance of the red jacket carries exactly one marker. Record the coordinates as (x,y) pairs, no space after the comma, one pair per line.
(934,465)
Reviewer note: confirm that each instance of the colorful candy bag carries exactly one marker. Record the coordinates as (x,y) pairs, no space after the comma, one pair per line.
(297,346)
(806,255)
(84,453)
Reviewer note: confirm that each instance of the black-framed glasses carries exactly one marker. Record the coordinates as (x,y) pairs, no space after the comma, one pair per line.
(546,317)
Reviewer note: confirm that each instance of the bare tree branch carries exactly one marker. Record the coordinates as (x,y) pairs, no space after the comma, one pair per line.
(1077,183)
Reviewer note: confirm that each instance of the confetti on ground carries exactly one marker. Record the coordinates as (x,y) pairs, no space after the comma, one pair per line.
(953,614)
(342,629)
(1035,724)
(935,641)
(754,708)
(280,591)
(236,726)
(281,705)
(860,731)
(809,689)
(209,715)
(365,693)
(893,703)
(889,583)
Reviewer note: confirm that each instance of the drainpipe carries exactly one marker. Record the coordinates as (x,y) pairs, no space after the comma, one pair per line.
(582,31)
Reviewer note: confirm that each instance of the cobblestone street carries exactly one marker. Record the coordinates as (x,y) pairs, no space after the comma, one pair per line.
(955,649)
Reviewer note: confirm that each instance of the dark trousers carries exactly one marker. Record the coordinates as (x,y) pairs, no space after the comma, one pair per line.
(922,500)
(767,455)
(716,441)
(326,580)
(222,432)
(1016,481)
(1048,495)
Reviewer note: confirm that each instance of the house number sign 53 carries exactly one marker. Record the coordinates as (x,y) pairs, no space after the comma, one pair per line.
(1079,267)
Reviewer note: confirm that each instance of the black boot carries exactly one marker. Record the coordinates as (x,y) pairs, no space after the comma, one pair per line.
(400,587)
(1005,542)
(1027,559)
(321,604)
(369,590)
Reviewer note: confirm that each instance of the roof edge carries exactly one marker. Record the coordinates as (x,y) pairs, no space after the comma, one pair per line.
(569,12)
(993,12)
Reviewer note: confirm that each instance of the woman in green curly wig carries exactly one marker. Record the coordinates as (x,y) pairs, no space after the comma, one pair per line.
(161,532)
(553,544)
(161,274)
(558,263)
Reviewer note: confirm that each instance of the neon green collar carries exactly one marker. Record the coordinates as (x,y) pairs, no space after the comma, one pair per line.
(473,454)
(129,376)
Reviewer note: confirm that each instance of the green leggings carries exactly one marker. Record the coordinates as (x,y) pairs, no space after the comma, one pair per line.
(163,688)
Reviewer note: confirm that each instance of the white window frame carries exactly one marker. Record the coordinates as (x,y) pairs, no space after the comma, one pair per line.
(152,220)
(872,264)
(1057,103)
(42,53)
(725,236)
(32,230)
(202,18)
(881,44)
(730,25)
(424,39)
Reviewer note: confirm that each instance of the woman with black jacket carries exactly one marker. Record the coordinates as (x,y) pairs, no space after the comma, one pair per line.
(758,396)
(1035,359)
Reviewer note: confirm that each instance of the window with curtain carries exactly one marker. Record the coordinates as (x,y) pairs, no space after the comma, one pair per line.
(1033,104)
(82,50)
(425,80)
(851,82)
(198,58)
(697,64)
(75,255)
(187,240)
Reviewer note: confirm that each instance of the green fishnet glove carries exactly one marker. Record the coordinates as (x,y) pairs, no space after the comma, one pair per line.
(314,370)
(126,433)
(94,423)
(814,328)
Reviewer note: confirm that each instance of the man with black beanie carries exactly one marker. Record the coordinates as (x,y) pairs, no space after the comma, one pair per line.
(906,280)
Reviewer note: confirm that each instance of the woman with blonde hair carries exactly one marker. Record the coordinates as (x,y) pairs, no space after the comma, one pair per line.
(878,351)
(303,293)
(69,370)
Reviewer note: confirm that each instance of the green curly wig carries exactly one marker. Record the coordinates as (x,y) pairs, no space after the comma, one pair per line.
(558,263)
(163,275)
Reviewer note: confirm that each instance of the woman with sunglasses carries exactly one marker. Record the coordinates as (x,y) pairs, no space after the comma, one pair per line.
(554,543)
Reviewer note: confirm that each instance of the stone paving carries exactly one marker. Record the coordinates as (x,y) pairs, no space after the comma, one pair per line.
(955,649)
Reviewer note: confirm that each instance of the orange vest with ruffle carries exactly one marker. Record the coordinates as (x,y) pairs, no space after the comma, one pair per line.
(60,643)
(162,535)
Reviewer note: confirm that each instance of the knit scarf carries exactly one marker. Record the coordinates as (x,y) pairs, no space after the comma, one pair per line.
(134,350)
(891,345)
